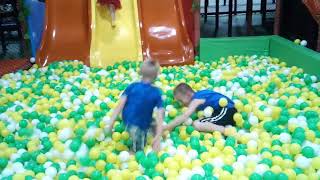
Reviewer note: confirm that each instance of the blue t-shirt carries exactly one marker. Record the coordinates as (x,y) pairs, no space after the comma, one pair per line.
(211,99)
(142,98)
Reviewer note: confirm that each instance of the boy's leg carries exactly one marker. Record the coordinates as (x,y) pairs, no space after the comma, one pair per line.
(112,14)
(141,140)
(217,122)
(207,126)
(138,138)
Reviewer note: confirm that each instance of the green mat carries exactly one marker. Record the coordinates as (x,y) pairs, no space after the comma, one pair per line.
(211,49)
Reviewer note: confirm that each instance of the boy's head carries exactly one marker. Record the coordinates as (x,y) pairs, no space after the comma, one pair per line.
(183,93)
(149,70)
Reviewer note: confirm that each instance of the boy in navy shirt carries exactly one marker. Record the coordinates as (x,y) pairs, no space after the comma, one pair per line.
(137,104)
(198,101)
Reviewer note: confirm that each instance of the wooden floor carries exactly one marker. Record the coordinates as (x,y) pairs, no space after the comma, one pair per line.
(13,65)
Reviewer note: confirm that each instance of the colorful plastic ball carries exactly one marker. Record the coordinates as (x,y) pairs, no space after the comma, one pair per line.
(223,102)
(303,43)
(308,152)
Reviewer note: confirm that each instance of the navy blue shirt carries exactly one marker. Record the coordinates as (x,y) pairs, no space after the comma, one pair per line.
(142,98)
(211,99)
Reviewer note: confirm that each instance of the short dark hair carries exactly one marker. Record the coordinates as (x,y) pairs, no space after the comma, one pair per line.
(182,88)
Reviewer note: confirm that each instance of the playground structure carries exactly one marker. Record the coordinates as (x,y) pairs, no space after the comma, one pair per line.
(145,30)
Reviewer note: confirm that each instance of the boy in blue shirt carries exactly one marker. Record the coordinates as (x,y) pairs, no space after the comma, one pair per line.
(137,104)
(198,101)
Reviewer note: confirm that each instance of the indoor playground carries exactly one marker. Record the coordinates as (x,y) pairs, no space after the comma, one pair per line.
(55,108)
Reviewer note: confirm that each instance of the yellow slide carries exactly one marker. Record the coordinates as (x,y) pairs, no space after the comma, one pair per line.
(114,44)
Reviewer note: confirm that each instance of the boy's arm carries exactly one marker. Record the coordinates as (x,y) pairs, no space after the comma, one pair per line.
(160,118)
(180,119)
(159,121)
(117,110)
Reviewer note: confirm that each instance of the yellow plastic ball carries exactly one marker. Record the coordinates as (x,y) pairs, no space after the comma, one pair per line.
(316,163)
(100,164)
(276,169)
(133,165)
(111,158)
(73,177)
(302,177)
(196,162)
(124,135)
(229,160)
(223,102)
(94,153)
(18,176)
(126,174)
(204,156)
(116,136)
(295,148)
(41,158)
(313,176)
(238,105)
(247,108)
(158,178)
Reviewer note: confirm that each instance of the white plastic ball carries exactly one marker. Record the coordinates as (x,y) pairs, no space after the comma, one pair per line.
(252,143)
(172,150)
(124,166)
(198,170)
(51,172)
(303,43)
(11,127)
(303,162)
(88,115)
(67,105)
(181,152)
(124,156)
(188,122)
(7,172)
(242,159)
(32,60)
(217,162)
(253,120)
(83,150)
(65,134)
(192,154)
(241,92)
(47,164)
(91,132)
(314,78)
(285,138)
(17,167)
(68,154)
(267,111)
(208,111)
(261,168)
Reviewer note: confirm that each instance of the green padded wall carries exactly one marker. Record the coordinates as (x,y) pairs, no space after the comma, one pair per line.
(274,46)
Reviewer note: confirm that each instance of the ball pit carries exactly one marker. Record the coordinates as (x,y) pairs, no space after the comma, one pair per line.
(54,123)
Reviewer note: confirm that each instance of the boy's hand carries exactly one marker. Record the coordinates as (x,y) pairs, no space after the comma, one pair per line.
(167,128)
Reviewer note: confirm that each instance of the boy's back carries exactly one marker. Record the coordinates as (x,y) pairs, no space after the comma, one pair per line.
(142,98)
(211,99)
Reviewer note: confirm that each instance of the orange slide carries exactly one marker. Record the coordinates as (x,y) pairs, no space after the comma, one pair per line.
(66,34)
(164,33)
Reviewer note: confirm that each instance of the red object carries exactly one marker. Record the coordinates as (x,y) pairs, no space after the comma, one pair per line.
(164,32)
(13,65)
(65,37)
(116,3)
